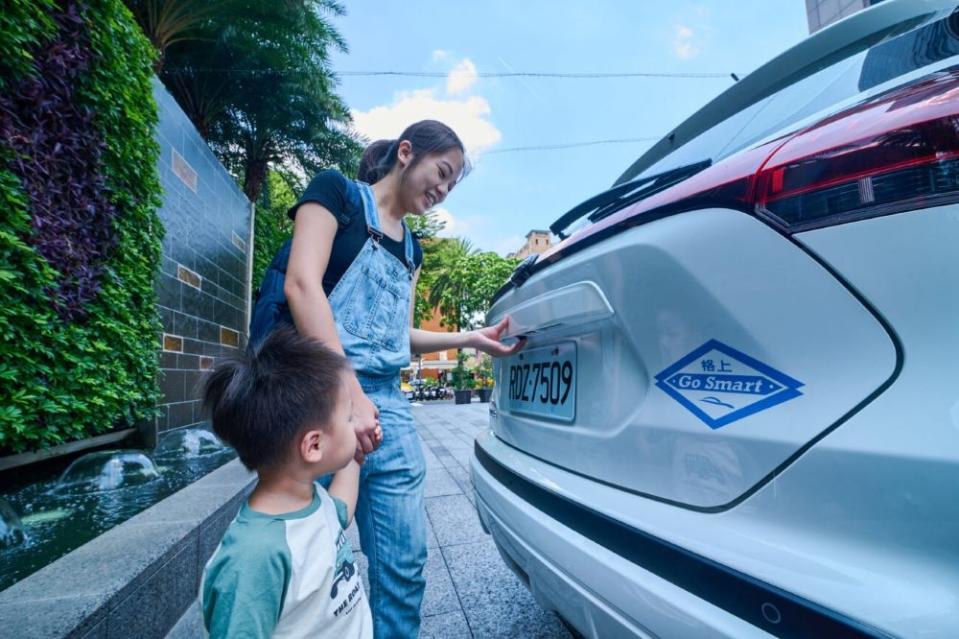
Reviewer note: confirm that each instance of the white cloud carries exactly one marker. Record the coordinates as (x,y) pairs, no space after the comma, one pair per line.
(440,54)
(468,116)
(462,77)
(683,43)
(443,215)
(480,231)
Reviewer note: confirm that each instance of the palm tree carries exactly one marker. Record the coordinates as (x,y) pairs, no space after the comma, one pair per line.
(255,79)
(168,22)
(449,285)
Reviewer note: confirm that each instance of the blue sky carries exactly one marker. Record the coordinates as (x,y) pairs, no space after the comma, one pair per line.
(509,193)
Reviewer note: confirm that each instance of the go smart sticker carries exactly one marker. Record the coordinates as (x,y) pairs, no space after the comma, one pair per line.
(720,385)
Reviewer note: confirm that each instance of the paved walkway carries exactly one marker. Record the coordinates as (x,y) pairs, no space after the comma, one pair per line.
(469,590)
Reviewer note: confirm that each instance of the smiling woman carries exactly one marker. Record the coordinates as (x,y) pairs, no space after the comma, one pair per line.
(353,235)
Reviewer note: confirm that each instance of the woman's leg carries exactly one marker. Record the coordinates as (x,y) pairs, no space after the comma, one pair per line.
(391,517)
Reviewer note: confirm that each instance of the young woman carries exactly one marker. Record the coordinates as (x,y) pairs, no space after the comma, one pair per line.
(349,278)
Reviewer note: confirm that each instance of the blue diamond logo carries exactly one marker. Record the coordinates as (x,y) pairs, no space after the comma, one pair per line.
(721,385)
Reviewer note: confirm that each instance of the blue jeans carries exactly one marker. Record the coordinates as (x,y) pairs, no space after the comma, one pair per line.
(391,515)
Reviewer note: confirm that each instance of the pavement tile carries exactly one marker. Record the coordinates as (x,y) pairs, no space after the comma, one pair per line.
(431,541)
(448,461)
(439,482)
(433,463)
(451,625)
(440,597)
(454,520)
(467,440)
(496,603)
(463,457)
(463,479)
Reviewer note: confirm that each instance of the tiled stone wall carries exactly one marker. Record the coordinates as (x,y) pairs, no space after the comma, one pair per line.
(202,286)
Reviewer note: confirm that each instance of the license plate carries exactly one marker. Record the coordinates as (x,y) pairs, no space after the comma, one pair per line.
(542,382)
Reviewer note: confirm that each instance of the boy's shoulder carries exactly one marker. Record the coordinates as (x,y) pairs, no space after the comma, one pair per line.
(249,543)
(246,580)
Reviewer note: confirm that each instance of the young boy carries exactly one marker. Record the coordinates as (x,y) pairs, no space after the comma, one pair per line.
(284,567)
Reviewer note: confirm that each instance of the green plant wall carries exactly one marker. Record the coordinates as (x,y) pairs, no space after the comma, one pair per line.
(79,234)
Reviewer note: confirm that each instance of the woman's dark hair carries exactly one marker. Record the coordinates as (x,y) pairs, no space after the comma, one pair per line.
(260,402)
(425,136)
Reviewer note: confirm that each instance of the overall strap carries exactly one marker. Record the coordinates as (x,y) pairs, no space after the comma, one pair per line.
(408,248)
(373,225)
(369,210)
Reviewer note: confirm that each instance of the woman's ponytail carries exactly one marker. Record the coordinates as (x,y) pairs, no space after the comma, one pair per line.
(377,160)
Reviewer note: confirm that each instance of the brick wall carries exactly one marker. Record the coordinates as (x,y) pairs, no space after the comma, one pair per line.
(202,287)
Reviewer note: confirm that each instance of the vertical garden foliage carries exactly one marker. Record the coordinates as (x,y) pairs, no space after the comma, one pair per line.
(272,226)
(79,235)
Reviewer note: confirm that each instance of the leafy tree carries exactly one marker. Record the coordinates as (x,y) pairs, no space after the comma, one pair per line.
(426,228)
(466,282)
(446,279)
(168,22)
(460,374)
(254,78)
(272,225)
(484,371)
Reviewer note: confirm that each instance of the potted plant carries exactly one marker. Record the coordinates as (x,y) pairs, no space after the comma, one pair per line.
(484,377)
(432,388)
(462,380)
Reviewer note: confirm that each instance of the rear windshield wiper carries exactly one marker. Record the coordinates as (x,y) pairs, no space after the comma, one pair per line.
(607,202)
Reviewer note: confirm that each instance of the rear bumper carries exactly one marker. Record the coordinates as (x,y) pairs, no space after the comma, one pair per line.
(611,580)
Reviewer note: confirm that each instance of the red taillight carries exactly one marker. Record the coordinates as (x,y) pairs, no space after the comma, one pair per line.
(888,155)
(894,152)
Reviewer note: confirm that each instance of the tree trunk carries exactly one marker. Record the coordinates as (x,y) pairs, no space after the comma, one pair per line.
(255,177)
(158,63)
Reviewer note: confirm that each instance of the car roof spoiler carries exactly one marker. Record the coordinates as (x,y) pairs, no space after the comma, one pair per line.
(857,32)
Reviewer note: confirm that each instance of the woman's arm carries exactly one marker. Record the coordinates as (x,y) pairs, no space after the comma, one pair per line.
(422,342)
(313,233)
(484,339)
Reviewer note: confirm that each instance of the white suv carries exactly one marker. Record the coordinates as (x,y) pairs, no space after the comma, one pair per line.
(737,414)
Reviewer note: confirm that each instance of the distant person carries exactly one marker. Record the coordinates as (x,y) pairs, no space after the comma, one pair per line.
(284,566)
(348,279)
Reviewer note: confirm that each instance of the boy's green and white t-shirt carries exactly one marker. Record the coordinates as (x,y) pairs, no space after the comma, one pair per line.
(291,575)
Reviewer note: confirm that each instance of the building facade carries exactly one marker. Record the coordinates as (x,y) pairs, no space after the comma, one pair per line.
(433,364)
(536,242)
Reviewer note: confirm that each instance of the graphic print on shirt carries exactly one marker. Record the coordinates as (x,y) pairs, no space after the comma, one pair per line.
(345,580)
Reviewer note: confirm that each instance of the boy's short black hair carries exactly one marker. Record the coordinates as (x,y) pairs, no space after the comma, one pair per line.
(259,402)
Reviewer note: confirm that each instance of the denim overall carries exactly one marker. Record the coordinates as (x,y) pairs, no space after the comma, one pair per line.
(371,305)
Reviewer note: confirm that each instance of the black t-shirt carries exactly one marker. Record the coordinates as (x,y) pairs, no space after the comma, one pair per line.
(332,190)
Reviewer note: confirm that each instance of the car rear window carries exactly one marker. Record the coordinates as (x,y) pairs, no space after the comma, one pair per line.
(855,71)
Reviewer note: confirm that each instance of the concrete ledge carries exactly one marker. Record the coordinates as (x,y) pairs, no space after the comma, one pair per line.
(135,580)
